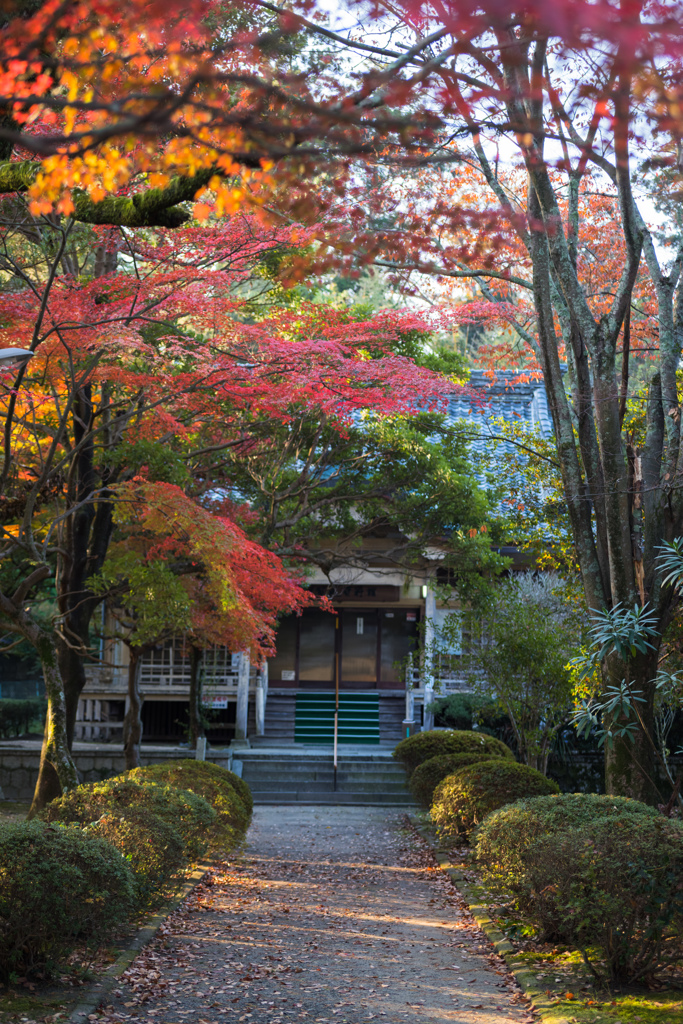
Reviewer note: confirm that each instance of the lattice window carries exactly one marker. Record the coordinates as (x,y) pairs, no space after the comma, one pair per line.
(167,665)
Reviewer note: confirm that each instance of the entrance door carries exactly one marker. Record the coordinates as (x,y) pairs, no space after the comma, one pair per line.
(372,645)
(359,648)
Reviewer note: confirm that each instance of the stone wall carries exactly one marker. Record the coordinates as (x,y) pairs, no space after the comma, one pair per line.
(19,764)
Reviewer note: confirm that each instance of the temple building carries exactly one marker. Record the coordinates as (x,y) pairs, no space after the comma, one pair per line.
(367,647)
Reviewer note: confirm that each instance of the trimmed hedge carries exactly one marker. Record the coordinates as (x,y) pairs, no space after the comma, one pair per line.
(137,830)
(422,746)
(601,873)
(226,792)
(59,887)
(186,812)
(429,774)
(462,801)
(152,848)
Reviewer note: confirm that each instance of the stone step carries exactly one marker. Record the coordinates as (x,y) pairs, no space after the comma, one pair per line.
(304,797)
(305,776)
(309,756)
(326,781)
(278,771)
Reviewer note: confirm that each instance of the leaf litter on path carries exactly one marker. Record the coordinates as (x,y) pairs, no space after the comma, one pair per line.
(332,915)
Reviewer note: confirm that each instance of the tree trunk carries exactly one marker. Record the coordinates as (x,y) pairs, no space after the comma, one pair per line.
(132,723)
(631,762)
(57,772)
(72,669)
(196,719)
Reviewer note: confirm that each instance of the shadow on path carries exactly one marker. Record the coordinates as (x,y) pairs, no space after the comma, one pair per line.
(330,917)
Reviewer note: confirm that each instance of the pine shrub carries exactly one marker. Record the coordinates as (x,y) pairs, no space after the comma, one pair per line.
(601,873)
(462,801)
(59,888)
(429,774)
(422,746)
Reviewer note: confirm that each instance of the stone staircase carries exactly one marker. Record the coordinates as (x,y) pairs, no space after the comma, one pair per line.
(289,776)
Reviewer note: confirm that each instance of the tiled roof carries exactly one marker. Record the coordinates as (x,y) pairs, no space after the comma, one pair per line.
(504,399)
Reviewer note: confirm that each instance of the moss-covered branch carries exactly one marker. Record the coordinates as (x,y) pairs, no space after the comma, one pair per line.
(155,207)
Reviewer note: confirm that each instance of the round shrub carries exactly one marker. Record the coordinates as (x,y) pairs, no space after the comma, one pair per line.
(419,748)
(186,812)
(602,873)
(59,888)
(462,801)
(151,846)
(223,790)
(429,774)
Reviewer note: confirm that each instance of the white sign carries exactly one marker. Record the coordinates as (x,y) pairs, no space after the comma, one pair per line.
(215,700)
(359,625)
(288,675)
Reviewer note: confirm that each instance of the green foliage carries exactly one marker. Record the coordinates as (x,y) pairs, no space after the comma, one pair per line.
(461,710)
(423,745)
(16,716)
(152,847)
(223,790)
(462,801)
(609,716)
(623,633)
(152,597)
(526,476)
(59,887)
(599,872)
(410,475)
(158,461)
(429,774)
(190,814)
(520,643)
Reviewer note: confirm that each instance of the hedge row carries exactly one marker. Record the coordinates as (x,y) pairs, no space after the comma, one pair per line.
(105,852)
(603,874)
(17,716)
(417,749)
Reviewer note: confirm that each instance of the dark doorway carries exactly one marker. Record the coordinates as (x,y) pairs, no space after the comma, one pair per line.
(372,645)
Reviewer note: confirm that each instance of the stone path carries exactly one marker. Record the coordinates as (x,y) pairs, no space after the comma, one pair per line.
(334,915)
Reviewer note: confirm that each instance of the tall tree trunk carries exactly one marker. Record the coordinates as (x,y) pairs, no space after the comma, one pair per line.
(132,723)
(196,719)
(86,533)
(631,762)
(57,772)
(72,669)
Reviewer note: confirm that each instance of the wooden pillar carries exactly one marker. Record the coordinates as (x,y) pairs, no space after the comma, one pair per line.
(428,664)
(242,715)
(260,699)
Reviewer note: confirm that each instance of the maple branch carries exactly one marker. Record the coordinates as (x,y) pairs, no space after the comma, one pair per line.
(34,342)
(524,447)
(433,268)
(155,207)
(22,591)
(326,32)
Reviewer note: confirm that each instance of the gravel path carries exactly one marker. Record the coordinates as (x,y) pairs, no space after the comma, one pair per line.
(333,915)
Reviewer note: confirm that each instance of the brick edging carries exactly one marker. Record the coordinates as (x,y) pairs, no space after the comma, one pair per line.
(525,978)
(100,989)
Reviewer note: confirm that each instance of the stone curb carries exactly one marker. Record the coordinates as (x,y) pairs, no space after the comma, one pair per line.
(525,978)
(99,990)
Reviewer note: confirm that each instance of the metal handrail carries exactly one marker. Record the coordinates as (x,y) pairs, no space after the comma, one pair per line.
(336,714)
